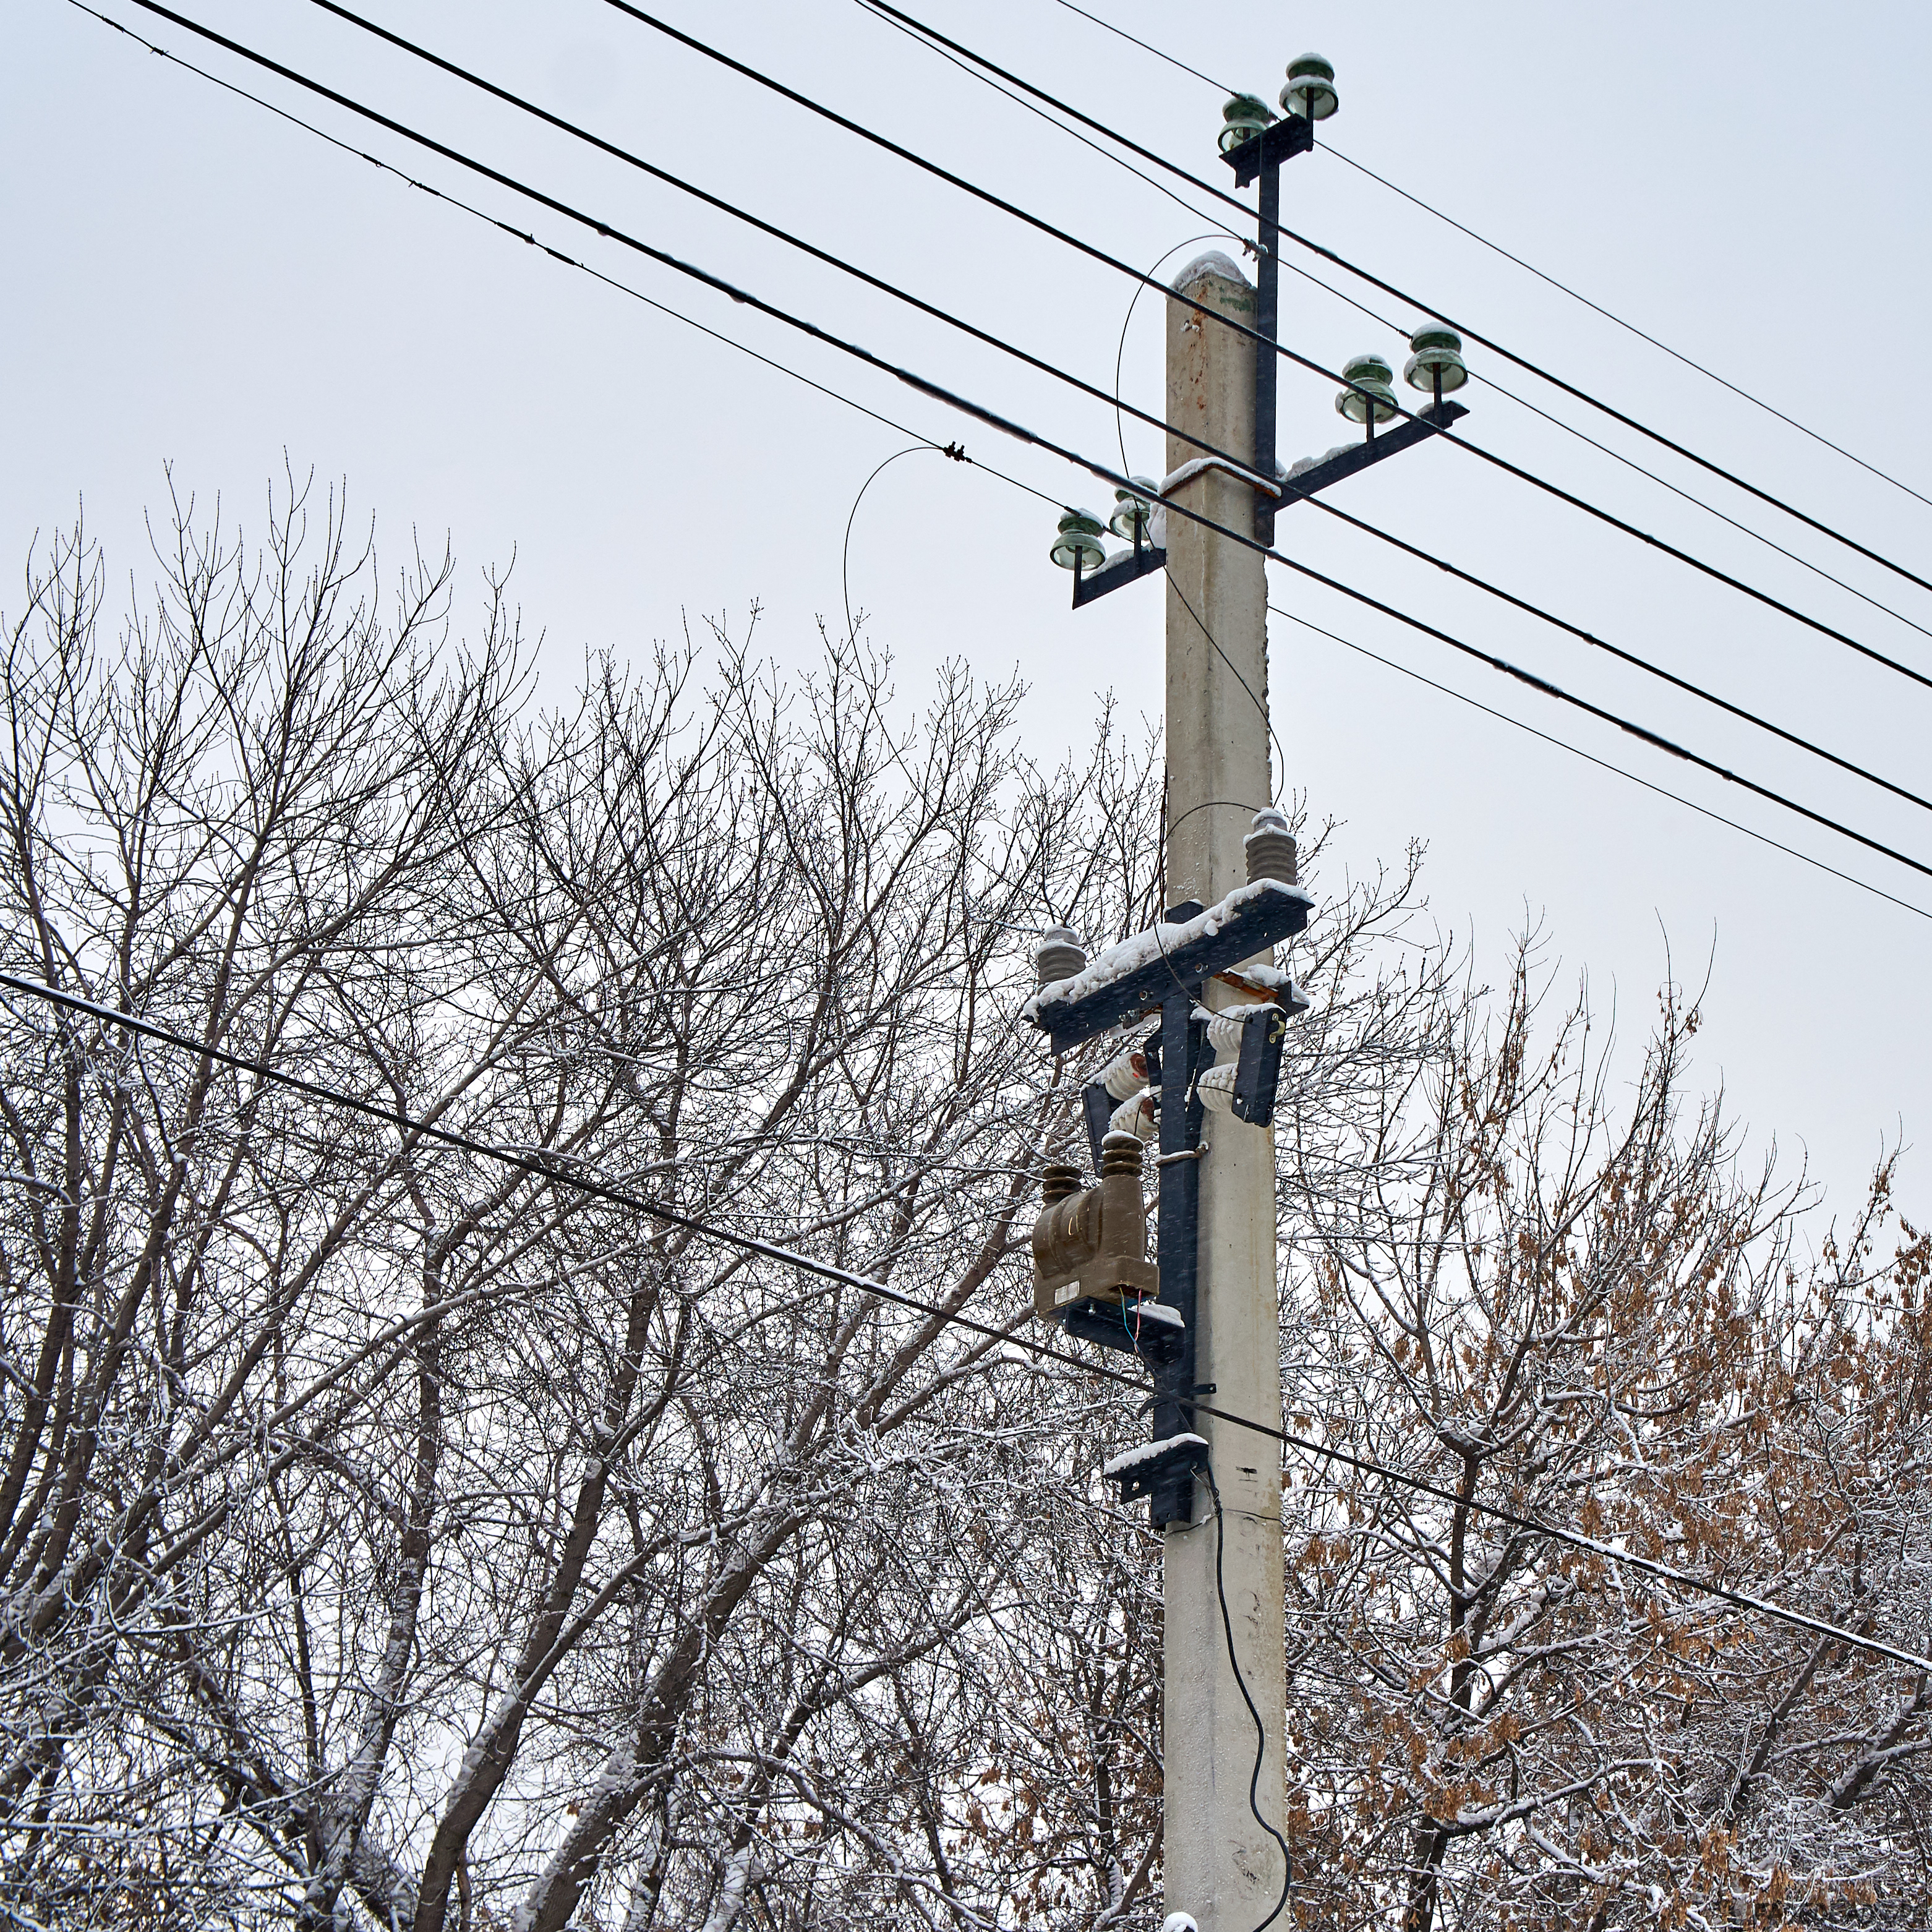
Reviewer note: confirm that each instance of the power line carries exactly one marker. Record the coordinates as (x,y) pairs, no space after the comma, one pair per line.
(1000,476)
(538,1168)
(1146,47)
(1375,281)
(331,7)
(1609,315)
(1005,424)
(1602,764)
(1020,100)
(1616,651)
(1530,267)
(738,213)
(519,234)
(1280,349)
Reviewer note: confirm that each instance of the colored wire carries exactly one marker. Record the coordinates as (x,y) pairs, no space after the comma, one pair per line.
(539,1169)
(1005,424)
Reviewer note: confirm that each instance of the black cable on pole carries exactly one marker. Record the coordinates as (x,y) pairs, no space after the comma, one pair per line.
(1241,1685)
(541,1168)
(1006,425)
(1389,288)
(850,402)
(1602,764)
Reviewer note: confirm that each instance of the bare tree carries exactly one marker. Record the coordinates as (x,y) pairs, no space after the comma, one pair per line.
(1534,1298)
(393,1535)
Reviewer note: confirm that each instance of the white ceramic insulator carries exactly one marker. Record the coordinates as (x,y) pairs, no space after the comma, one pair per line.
(1125,1076)
(1224,1036)
(1215,1087)
(1134,1116)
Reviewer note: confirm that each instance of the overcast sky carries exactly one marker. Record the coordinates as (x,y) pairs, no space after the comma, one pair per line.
(192,282)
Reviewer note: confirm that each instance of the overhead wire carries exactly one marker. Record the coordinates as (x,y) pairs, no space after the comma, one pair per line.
(542,1168)
(546,1168)
(333,7)
(1602,764)
(1529,268)
(1642,334)
(1488,382)
(993,419)
(722,205)
(1221,194)
(850,402)
(428,56)
(1146,47)
(1631,658)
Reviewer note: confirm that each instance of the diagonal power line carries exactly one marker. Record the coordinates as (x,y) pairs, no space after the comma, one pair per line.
(1006,426)
(540,1169)
(850,402)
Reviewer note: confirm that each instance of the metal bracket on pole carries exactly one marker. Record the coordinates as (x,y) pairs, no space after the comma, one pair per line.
(1192,944)
(1141,561)
(1261,158)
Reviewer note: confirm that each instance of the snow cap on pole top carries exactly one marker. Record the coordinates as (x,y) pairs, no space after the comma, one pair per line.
(1179,1922)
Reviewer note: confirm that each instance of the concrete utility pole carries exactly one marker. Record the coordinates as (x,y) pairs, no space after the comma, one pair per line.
(1221,1866)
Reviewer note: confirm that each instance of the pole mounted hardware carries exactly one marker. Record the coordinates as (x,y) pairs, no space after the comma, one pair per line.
(1163,1083)
(1091,1271)
(1255,143)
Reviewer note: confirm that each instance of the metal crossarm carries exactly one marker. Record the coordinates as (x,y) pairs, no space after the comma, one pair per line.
(1137,976)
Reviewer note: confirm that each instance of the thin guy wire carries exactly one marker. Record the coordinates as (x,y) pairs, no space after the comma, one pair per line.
(1214,643)
(540,1169)
(1146,47)
(1602,764)
(1642,335)
(1376,281)
(1007,427)
(845,548)
(1121,347)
